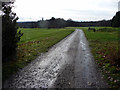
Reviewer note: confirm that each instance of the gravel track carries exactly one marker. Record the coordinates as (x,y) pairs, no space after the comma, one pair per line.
(68,64)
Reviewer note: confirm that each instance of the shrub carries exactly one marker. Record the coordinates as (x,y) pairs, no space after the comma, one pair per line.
(10,35)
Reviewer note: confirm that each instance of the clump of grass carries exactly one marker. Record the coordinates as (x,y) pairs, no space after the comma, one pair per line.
(33,43)
(108,59)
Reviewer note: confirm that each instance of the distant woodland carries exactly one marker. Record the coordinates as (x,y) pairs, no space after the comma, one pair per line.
(61,23)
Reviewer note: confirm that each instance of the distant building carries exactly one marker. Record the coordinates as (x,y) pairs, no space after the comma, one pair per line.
(119,6)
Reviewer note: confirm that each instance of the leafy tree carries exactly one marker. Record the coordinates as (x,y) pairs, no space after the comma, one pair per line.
(10,33)
(116,20)
(52,23)
(56,23)
(52,19)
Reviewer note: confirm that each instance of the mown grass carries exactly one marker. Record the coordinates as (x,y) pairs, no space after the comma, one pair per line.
(104,45)
(32,44)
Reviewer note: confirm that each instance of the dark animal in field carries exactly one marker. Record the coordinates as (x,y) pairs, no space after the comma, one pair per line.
(91,29)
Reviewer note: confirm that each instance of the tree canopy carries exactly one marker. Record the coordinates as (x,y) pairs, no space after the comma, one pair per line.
(10,33)
(116,20)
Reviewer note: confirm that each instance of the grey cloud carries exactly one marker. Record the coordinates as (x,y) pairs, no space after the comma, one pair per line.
(91,12)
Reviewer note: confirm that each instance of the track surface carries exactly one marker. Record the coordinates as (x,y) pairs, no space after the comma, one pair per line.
(68,64)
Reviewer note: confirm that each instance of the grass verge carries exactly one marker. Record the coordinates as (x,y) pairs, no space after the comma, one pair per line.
(32,44)
(105,48)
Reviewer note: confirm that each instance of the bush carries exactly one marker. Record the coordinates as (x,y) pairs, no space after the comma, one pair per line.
(10,35)
(116,20)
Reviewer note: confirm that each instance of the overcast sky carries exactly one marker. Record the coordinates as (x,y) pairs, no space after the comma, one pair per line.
(78,10)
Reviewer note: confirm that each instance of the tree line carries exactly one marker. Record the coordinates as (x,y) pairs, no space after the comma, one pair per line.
(61,23)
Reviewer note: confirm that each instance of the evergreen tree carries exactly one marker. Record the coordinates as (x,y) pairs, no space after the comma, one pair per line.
(10,33)
(116,20)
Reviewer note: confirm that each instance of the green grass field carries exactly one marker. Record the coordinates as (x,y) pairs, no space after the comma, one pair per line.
(34,42)
(103,43)
(40,34)
(104,46)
